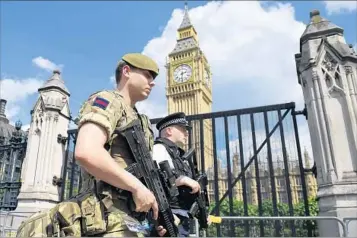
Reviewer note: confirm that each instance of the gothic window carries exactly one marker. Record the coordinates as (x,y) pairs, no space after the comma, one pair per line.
(298,181)
(327,79)
(338,77)
(329,63)
(331,73)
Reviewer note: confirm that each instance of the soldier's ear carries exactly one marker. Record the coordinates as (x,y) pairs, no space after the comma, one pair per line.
(126,71)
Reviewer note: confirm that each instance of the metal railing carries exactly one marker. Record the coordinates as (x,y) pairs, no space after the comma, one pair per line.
(7,220)
(347,221)
(343,222)
(8,231)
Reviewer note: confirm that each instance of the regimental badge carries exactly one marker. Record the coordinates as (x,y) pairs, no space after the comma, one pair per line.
(101,103)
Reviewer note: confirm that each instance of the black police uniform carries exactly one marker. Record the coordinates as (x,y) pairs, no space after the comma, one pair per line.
(182,168)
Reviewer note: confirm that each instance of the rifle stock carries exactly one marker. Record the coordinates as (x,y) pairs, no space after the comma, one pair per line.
(151,175)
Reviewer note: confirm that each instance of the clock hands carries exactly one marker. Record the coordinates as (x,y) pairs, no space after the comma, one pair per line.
(182,73)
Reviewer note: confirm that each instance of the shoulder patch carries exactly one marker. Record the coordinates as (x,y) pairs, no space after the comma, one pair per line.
(100,102)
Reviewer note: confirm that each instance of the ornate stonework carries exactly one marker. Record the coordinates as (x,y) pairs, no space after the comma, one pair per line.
(329,86)
(44,155)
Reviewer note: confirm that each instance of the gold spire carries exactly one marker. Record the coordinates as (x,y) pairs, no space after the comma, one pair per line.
(307,158)
(186,22)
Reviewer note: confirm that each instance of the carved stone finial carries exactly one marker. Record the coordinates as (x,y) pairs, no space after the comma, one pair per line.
(56,71)
(314,13)
(315,16)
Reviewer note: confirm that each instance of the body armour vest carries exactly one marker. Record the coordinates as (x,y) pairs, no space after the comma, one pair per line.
(182,168)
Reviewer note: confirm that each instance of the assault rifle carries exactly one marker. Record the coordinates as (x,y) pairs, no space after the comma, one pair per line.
(147,170)
(198,208)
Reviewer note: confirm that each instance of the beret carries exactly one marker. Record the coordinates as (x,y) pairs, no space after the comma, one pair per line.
(142,62)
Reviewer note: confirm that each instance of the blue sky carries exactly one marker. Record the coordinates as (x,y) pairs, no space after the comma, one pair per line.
(88,38)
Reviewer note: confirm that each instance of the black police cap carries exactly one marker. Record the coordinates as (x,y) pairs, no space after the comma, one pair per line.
(178,118)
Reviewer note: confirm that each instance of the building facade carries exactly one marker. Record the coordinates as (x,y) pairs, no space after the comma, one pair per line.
(265,183)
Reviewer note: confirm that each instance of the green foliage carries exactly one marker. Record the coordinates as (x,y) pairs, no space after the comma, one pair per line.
(268,227)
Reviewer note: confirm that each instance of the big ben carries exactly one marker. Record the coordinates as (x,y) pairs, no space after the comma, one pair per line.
(189,87)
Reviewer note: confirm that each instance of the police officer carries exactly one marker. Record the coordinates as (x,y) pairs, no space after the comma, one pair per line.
(103,155)
(173,133)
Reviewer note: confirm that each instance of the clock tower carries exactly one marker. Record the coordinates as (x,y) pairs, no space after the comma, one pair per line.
(189,87)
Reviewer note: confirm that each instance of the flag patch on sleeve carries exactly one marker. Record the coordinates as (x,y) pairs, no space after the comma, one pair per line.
(101,103)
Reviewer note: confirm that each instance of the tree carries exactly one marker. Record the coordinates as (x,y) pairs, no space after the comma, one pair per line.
(299,210)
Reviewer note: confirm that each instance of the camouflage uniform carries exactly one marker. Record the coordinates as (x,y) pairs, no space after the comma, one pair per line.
(97,210)
(113,114)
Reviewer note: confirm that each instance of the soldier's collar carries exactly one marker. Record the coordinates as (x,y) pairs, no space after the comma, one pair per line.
(136,110)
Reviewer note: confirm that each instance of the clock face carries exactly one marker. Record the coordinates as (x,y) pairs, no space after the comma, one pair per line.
(182,73)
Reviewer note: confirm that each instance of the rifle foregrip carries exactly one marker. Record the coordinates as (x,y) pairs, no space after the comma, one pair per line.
(168,224)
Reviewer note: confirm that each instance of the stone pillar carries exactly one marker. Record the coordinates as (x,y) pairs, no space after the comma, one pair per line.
(326,68)
(44,154)
(2,111)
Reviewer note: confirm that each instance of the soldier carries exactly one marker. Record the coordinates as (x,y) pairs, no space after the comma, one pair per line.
(104,155)
(173,133)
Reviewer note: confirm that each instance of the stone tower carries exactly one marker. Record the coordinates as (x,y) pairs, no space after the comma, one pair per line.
(309,177)
(188,85)
(44,155)
(326,68)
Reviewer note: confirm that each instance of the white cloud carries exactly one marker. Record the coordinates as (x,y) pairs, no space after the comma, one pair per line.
(337,7)
(275,143)
(14,90)
(12,110)
(151,109)
(247,46)
(250,46)
(46,64)
(25,127)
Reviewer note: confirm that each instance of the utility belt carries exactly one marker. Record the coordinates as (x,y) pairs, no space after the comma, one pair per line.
(87,213)
(83,215)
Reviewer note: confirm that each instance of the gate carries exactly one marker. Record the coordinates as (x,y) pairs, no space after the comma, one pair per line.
(254,165)
(12,154)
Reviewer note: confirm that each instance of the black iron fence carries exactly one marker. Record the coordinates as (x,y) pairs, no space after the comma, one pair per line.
(255,167)
(12,154)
